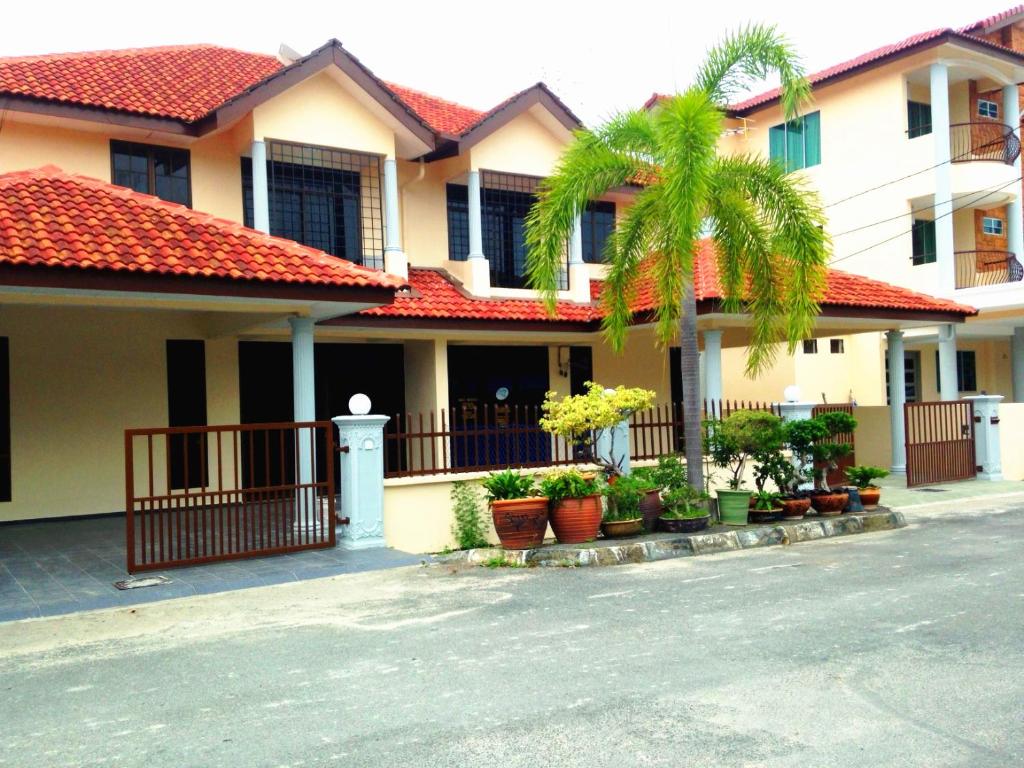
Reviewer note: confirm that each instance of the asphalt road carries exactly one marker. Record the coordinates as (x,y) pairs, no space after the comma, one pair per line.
(903,648)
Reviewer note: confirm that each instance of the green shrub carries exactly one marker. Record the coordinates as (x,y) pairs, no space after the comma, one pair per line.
(567,484)
(508,484)
(684,502)
(624,497)
(468,529)
(669,473)
(862,477)
(739,437)
(766,500)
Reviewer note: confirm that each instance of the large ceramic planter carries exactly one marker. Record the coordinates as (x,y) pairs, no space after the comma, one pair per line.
(733,506)
(764,515)
(650,509)
(870,496)
(576,520)
(795,509)
(520,523)
(683,525)
(618,529)
(829,504)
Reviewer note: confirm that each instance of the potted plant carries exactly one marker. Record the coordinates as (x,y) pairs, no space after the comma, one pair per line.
(581,419)
(575,505)
(731,443)
(668,474)
(520,513)
(826,454)
(862,477)
(622,516)
(780,470)
(767,507)
(685,510)
(650,504)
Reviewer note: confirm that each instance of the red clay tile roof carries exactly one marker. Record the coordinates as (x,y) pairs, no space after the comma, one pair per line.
(52,219)
(994,20)
(441,115)
(437,297)
(184,82)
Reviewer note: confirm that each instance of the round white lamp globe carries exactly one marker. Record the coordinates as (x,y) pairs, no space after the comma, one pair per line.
(359,404)
(791,393)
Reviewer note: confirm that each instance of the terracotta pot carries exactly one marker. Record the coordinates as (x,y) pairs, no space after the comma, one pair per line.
(685,525)
(829,504)
(794,509)
(617,529)
(869,497)
(520,523)
(764,515)
(576,520)
(650,509)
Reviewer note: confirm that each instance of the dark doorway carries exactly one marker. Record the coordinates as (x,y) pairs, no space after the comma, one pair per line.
(581,369)
(186,407)
(497,389)
(342,370)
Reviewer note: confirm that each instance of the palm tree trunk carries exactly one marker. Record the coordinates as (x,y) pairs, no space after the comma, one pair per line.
(689,360)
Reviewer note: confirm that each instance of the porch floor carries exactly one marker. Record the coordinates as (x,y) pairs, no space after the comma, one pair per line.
(896,495)
(55,567)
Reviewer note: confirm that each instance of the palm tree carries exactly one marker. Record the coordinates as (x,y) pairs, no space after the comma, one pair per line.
(766,226)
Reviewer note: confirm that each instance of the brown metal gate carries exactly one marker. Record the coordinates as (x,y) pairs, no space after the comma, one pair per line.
(837,476)
(940,442)
(200,494)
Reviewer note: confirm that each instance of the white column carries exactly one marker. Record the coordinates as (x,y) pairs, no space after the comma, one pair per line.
(361,480)
(1014,213)
(304,409)
(713,364)
(479,269)
(579,272)
(395,262)
(1017,363)
(897,398)
(987,449)
(260,194)
(943,179)
(948,382)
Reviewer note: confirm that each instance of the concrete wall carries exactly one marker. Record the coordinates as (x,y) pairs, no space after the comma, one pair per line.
(873,436)
(1011,427)
(992,361)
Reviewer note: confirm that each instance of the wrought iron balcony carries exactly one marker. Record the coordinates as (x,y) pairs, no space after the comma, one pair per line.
(992,142)
(979,268)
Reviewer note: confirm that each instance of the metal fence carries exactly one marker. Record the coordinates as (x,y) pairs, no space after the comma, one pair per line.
(940,442)
(200,494)
(658,430)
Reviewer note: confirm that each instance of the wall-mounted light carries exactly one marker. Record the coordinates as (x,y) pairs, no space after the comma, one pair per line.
(563,362)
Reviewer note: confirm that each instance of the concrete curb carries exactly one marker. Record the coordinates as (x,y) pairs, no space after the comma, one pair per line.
(663,546)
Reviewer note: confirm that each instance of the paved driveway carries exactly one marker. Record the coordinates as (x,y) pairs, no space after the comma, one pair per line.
(893,649)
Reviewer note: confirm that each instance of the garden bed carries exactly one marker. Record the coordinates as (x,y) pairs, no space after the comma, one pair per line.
(662,546)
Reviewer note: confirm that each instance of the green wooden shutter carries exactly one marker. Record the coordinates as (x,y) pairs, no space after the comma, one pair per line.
(777,144)
(812,139)
(794,145)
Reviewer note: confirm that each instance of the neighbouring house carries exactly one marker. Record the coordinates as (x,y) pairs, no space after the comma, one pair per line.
(914,148)
(193,236)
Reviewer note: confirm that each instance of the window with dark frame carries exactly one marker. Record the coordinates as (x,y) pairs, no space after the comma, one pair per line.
(152,170)
(919,119)
(992,225)
(796,144)
(922,237)
(5,419)
(837,346)
(810,346)
(988,108)
(458,222)
(597,223)
(186,407)
(325,198)
(966,371)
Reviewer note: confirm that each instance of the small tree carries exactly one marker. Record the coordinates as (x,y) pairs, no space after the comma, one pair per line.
(579,418)
(739,437)
(827,452)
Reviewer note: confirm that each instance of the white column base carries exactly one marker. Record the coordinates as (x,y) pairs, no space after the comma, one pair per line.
(396,263)
(479,277)
(370,542)
(579,283)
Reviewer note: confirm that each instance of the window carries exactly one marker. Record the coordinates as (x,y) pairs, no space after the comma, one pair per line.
(990,225)
(5,419)
(796,144)
(458,222)
(966,371)
(911,376)
(810,346)
(988,108)
(837,346)
(919,119)
(186,407)
(598,222)
(324,198)
(923,242)
(152,170)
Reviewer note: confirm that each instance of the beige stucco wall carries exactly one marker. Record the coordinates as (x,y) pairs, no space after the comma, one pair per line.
(1011,427)
(992,362)
(766,386)
(524,145)
(873,436)
(642,363)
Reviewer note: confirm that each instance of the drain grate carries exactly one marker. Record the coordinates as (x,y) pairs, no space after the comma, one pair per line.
(930,490)
(146,581)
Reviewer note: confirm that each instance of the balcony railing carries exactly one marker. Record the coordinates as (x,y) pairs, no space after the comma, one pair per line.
(992,142)
(979,268)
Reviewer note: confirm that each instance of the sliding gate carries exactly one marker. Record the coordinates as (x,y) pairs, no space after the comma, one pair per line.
(940,442)
(200,494)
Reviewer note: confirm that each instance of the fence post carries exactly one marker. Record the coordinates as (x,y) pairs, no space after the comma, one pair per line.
(612,445)
(795,409)
(987,452)
(361,479)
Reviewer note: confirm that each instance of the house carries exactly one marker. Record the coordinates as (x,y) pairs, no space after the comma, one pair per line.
(196,239)
(914,148)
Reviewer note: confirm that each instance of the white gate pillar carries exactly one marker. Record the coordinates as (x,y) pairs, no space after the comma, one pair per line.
(987,450)
(361,479)
(897,399)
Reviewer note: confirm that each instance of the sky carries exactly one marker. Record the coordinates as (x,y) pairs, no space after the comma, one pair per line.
(598,56)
